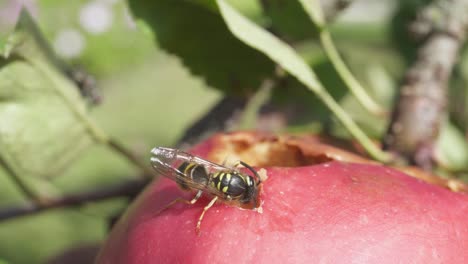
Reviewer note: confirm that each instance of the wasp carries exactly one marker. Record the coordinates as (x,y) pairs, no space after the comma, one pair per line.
(195,174)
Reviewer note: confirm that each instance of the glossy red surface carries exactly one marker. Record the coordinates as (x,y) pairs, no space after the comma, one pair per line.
(327,213)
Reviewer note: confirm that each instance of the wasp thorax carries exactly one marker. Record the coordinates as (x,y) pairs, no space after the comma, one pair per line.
(233,184)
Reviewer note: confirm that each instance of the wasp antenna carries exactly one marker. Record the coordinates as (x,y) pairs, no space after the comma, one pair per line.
(252,170)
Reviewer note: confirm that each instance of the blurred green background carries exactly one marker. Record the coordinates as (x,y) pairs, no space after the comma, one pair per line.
(150,98)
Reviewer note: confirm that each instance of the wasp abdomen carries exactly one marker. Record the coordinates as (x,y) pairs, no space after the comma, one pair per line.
(195,172)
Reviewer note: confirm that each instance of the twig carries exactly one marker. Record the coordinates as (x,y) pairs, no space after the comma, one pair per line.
(348,78)
(132,157)
(84,82)
(316,15)
(38,204)
(251,111)
(127,189)
(421,107)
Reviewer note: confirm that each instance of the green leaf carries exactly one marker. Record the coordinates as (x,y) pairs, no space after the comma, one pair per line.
(451,149)
(8,44)
(197,34)
(262,40)
(250,8)
(43,119)
(38,238)
(38,133)
(313,9)
(285,56)
(289,20)
(209,4)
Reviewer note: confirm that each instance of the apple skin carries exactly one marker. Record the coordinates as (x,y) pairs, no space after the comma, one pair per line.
(333,212)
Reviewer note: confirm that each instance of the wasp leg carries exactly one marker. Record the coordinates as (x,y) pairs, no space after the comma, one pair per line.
(203,214)
(181,200)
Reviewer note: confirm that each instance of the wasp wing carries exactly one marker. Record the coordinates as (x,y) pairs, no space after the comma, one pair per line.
(166,162)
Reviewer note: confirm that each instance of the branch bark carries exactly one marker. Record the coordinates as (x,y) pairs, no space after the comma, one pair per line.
(421,108)
(127,189)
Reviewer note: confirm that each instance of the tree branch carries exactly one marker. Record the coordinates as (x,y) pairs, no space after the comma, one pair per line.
(132,157)
(421,107)
(126,189)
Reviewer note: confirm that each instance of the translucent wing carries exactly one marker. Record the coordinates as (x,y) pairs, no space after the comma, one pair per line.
(166,162)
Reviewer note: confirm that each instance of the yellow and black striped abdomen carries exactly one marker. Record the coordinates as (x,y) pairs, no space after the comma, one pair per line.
(231,184)
(193,172)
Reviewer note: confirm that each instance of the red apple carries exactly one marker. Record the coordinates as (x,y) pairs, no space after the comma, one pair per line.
(330,212)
